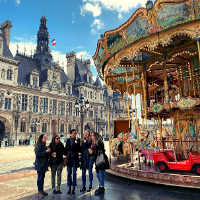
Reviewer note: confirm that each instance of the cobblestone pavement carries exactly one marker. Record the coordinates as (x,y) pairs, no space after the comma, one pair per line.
(18,181)
(17,175)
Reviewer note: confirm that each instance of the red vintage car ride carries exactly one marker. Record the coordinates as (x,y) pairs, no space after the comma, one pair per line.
(174,161)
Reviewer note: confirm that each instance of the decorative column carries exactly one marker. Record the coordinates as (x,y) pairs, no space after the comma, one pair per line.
(166,88)
(108,116)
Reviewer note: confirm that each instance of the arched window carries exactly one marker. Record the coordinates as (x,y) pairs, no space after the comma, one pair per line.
(34,81)
(91,94)
(9,74)
(85,93)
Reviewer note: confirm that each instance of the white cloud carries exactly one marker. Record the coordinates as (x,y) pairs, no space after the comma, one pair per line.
(85,55)
(61,58)
(26,42)
(29,43)
(17,2)
(112,5)
(80,47)
(96,26)
(73,15)
(120,16)
(94,9)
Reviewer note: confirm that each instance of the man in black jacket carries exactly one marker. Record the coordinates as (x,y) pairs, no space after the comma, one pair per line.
(74,147)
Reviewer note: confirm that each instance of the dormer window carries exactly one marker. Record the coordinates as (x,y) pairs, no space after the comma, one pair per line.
(9,74)
(34,78)
(34,81)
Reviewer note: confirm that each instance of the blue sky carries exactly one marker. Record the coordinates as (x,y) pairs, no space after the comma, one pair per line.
(75,25)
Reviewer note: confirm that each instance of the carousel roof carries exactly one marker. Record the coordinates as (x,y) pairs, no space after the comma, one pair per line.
(166,30)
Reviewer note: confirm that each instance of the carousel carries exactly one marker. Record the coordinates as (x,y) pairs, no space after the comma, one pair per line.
(155,55)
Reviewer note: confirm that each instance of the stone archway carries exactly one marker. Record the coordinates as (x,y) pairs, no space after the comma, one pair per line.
(53,128)
(5,127)
(2,130)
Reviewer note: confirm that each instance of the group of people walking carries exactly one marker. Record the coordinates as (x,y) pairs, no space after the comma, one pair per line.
(52,156)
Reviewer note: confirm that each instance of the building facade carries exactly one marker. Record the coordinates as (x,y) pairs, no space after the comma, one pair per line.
(37,96)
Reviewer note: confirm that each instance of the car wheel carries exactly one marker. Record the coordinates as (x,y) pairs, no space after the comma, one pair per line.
(162,166)
(144,158)
(197,169)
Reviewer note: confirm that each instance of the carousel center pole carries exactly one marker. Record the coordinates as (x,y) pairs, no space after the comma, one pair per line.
(198,49)
(108,118)
(122,101)
(145,107)
(127,96)
(137,132)
(159,120)
(179,134)
(131,144)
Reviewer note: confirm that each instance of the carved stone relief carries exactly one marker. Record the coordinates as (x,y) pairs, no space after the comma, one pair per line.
(30,102)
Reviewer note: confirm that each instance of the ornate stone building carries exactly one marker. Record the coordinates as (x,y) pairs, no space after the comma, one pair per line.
(36,96)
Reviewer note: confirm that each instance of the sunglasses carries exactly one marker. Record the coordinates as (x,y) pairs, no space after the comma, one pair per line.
(57,138)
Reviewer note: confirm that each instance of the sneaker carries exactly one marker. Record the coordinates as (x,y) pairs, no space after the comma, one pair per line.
(83,189)
(73,192)
(100,191)
(54,192)
(90,188)
(69,191)
(59,192)
(44,193)
(40,195)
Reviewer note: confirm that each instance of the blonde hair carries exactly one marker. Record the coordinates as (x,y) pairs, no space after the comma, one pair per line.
(97,139)
(89,137)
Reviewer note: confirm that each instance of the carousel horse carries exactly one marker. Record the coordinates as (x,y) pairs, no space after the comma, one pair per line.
(113,147)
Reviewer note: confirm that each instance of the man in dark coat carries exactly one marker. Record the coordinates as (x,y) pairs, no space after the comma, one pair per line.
(73,146)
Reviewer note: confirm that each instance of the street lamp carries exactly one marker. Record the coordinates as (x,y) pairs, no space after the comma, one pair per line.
(97,121)
(81,102)
(34,124)
(16,117)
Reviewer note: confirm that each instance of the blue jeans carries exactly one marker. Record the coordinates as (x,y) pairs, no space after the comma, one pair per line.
(100,177)
(40,180)
(91,162)
(69,175)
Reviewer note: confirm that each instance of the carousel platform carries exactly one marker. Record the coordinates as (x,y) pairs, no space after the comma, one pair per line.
(150,173)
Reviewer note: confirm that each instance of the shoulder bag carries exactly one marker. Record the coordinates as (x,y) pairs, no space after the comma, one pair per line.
(38,165)
(100,159)
(66,159)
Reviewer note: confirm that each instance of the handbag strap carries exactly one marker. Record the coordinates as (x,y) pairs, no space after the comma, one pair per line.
(39,162)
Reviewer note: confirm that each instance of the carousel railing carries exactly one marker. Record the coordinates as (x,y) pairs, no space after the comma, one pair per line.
(182,146)
(178,91)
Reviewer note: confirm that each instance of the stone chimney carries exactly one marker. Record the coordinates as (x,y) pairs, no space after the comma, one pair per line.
(87,64)
(71,60)
(1,45)
(5,31)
